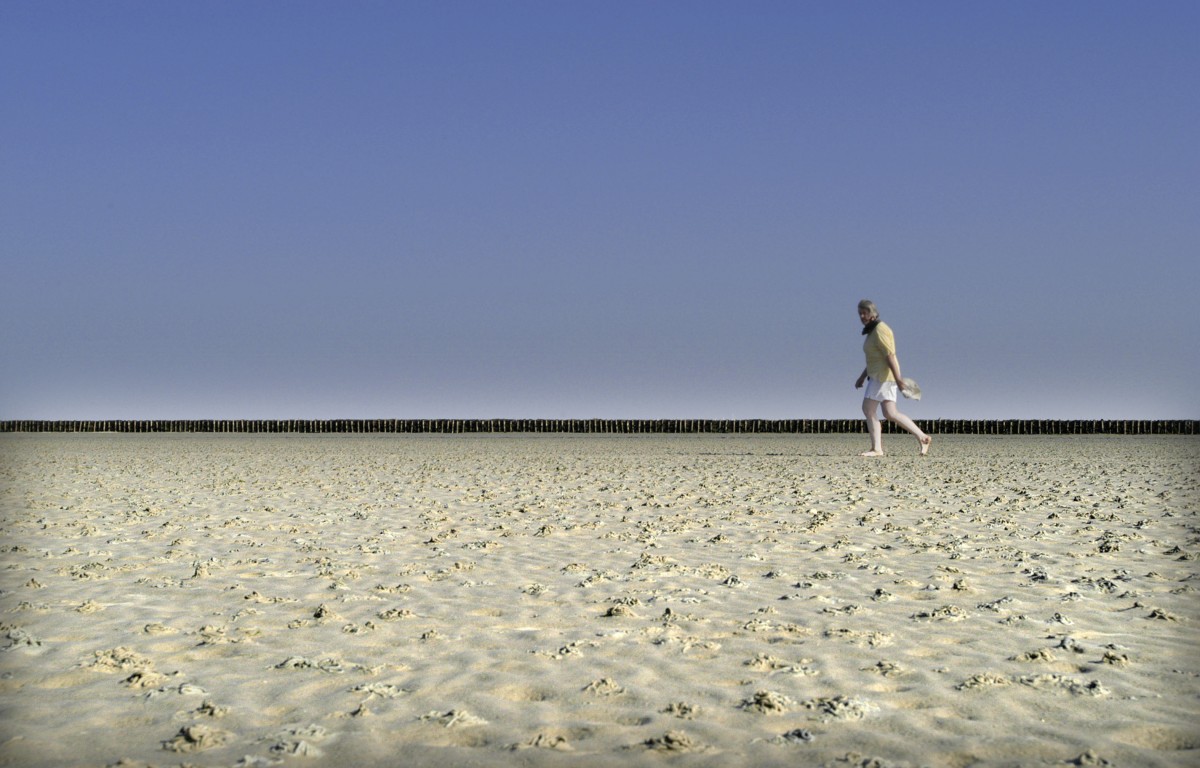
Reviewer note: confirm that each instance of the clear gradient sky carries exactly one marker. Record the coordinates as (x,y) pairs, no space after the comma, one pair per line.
(663,209)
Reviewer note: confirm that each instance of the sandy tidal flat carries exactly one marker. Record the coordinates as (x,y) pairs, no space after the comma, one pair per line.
(576,600)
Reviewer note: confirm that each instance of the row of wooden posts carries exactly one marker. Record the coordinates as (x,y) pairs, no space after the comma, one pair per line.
(613,426)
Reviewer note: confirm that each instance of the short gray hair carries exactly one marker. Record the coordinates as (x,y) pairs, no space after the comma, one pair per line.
(868,305)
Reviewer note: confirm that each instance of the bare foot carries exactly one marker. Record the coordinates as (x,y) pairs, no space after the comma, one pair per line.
(925,442)
(871,453)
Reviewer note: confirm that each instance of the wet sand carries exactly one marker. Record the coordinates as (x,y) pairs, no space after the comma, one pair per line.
(573,600)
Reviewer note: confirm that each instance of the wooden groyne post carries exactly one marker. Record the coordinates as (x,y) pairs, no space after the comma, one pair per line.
(610,426)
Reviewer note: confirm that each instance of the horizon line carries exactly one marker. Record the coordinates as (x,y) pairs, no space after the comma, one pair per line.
(1015,426)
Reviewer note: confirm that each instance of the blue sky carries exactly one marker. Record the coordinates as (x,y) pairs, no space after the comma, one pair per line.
(605,209)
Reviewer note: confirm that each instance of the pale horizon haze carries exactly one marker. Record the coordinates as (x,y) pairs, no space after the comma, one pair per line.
(277,210)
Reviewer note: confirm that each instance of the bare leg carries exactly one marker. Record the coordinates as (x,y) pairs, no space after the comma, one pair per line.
(874,428)
(894,415)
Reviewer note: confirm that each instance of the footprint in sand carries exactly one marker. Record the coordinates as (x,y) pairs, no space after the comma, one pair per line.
(118,659)
(767,703)
(382,690)
(1066,684)
(327,664)
(196,738)
(453,718)
(682,710)
(19,638)
(605,686)
(794,736)
(840,707)
(546,741)
(145,678)
(673,741)
(209,709)
(299,742)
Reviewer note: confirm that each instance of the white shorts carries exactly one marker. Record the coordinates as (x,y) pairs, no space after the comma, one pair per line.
(883,391)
